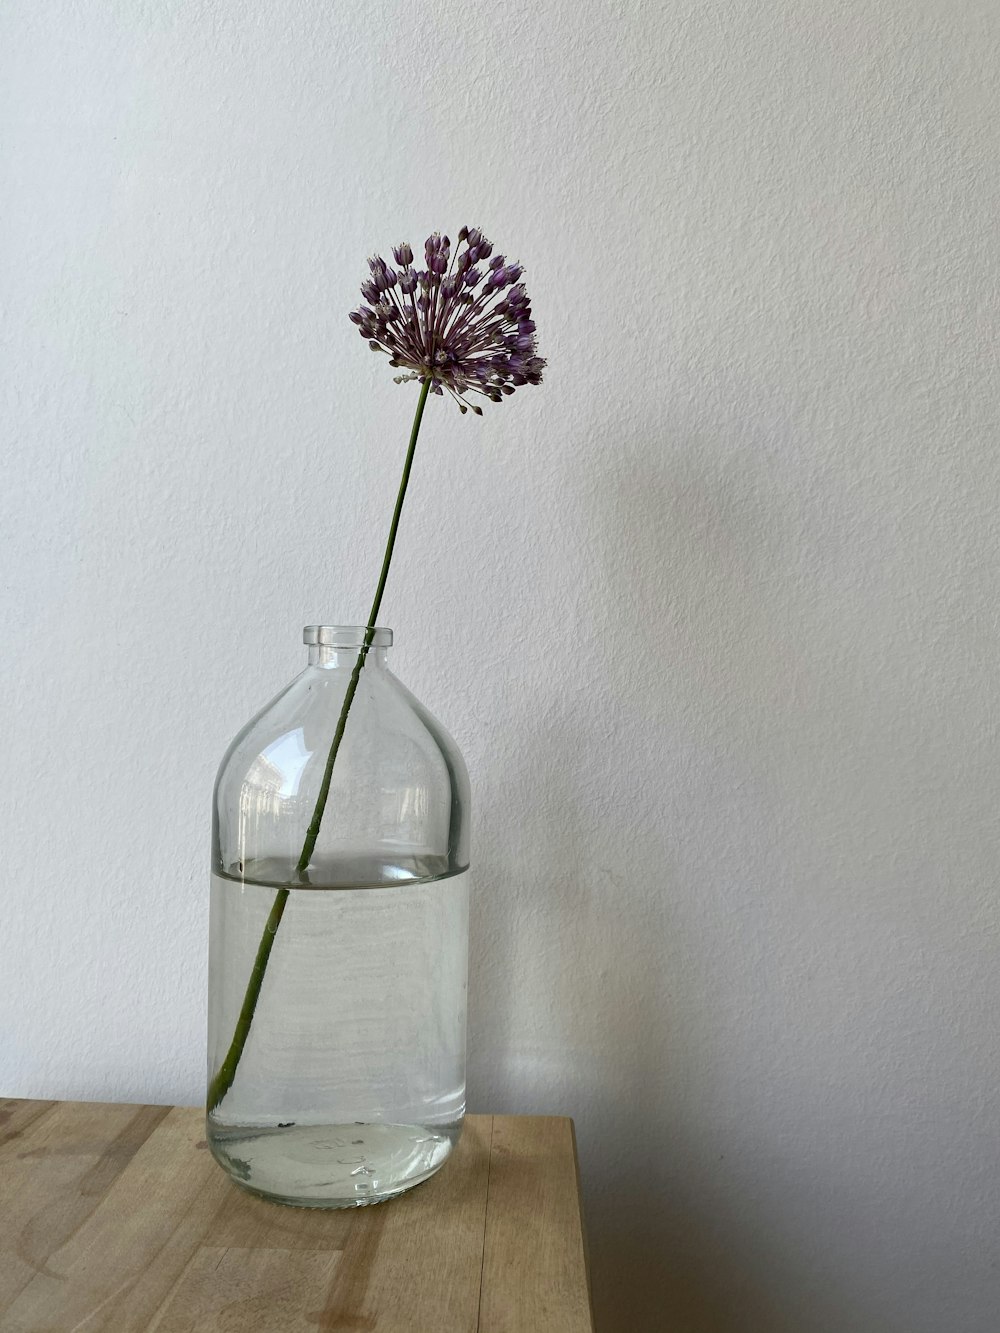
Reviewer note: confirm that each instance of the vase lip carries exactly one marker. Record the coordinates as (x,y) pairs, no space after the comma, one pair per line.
(346,636)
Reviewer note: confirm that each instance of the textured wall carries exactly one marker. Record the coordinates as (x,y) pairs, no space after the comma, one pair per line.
(711,613)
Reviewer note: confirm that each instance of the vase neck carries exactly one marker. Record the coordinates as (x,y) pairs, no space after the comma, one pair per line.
(339,645)
(322,655)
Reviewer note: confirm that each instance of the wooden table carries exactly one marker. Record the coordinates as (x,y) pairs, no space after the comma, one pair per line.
(116,1218)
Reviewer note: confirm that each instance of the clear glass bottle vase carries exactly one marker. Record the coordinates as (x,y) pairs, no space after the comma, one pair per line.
(337,992)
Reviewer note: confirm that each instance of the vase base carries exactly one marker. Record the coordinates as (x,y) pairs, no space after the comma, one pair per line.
(331,1166)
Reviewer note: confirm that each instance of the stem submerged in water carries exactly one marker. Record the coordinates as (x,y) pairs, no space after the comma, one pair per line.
(223,1079)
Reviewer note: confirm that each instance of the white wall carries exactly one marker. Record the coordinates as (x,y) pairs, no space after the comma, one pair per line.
(712,613)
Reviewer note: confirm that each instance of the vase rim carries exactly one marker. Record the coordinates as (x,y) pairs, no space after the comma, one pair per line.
(346,636)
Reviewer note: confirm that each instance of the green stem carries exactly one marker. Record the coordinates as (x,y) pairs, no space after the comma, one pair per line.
(223,1079)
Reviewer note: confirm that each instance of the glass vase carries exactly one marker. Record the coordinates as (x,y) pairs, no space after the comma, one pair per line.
(337,989)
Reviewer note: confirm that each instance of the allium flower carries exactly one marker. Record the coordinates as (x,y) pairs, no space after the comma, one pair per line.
(452,325)
(466,328)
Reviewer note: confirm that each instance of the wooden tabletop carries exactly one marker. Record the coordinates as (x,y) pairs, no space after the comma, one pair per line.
(116,1218)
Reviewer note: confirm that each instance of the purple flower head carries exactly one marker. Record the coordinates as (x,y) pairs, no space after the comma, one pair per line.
(467,330)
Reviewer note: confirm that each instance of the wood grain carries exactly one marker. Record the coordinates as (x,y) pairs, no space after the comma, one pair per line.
(534,1265)
(116,1218)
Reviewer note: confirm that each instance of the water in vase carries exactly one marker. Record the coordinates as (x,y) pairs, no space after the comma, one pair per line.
(351,1086)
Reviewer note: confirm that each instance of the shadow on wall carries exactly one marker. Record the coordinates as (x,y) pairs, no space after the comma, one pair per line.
(604,1050)
(591,995)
